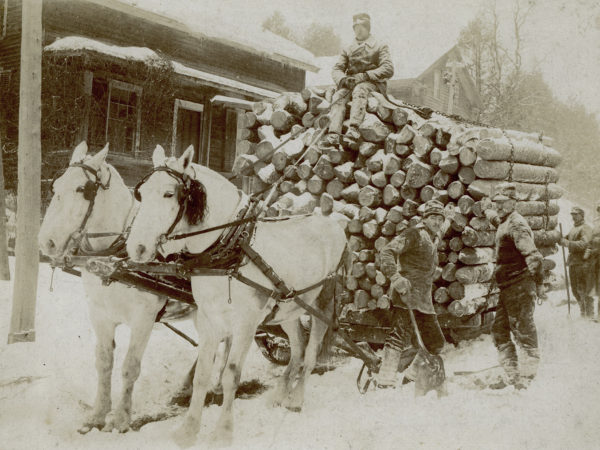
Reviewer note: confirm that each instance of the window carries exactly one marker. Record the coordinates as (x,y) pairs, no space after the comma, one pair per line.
(123,117)
(436,83)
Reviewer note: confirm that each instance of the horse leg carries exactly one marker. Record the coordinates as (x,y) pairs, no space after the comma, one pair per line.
(295,333)
(230,380)
(105,346)
(295,399)
(208,342)
(140,334)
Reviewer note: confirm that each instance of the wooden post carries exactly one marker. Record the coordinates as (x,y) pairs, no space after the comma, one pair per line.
(22,324)
(4,269)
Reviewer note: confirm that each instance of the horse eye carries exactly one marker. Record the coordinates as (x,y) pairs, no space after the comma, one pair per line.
(168,195)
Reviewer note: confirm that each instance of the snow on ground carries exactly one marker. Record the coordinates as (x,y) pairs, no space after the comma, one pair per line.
(47,387)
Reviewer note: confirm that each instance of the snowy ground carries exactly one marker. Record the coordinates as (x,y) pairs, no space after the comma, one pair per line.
(47,387)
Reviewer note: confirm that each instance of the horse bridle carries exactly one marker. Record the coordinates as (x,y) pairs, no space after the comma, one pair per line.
(182,193)
(90,190)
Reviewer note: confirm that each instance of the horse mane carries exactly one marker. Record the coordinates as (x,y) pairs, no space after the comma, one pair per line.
(195,202)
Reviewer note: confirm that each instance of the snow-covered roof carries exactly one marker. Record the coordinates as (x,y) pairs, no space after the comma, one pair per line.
(231,30)
(148,56)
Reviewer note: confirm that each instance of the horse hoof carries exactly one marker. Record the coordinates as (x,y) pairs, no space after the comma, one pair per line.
(86,428)
(296,409)
(183,438)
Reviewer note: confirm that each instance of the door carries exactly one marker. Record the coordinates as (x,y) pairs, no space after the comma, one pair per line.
(187,127)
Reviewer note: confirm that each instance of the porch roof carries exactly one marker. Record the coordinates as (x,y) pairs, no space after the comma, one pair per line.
(150,57)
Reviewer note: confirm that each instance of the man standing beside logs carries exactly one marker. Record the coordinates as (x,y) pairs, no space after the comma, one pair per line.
(580,269)
(593,254)
(518,271)
(363,67)
(409,261)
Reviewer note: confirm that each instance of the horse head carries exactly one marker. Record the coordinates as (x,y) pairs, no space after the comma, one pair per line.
(174,197)
(79,200)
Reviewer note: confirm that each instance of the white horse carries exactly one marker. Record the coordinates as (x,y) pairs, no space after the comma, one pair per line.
(302,251)
(69,214)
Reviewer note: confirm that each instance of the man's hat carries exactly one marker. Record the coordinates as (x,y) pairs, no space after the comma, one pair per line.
(361,19)
(505,191)
(433,207)
(577,210)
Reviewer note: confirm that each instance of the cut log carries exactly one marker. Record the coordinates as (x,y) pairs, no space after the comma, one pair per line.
(381,242)
(458,222)
(344,172)
(290,173)
(440,295)
(442,138)
(481,273)
(377,291)
(456,244)
(524,152)
(371,270)
(449,164)
(374,130)
(350,194)
(368,149)
(419,174)
(380,214)
(441,195)
(537,208)
(456,190)
(525,191)
(361,299)
(544,238)
(427,193)
(465,204)
(312,155)
(449,272)
(291,102)
(356,243)
(409,208)
(245,147)
(480,224)
(304,170)
(500,170)
(384,302)
(335,188)
(436,155)
(391,196)
(379,180)
(452,257)
(428,129)
(351,283)
(263,111)
(478,255)
(467,156)
(249,120)
(388,228)
(300,187)
(459,291)
(466,175)
(371,229)
(323,168)
(399,117)
(244,165)
(370,196)
(395,214)
(542,222)
(308,119)
(408,193)
(406,135)
(441,180)
(362,177)
(365,214)
(467,306)
(282,120)
(474,238)
(268,174)
(266,147)
(422,145)
(397,179)
(315,185)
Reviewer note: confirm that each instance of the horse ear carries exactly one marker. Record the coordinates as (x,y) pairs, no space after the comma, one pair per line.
(98,159)
(79,153)
(158,157)
(186,159)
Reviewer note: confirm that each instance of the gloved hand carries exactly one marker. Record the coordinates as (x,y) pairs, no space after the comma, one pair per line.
(348,82)
(587,253)
(400,284)
(361,77)
(564,242)
(536,269)
(492,216)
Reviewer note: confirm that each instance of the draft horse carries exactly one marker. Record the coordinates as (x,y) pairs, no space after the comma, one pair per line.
(91,198)
(179,196)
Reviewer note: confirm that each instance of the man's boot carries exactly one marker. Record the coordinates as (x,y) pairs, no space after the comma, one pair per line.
(389,367)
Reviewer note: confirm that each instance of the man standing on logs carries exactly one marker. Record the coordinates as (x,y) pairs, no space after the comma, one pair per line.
(409,261)
(580,273)
(363,67)
(518,270)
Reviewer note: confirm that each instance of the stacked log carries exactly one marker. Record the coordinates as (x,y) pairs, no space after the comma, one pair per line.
(375,187)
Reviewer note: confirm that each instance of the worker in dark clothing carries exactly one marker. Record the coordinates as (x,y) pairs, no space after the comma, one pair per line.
(518,270)
(592,256)
(363,67)
(409,261)
(580,269)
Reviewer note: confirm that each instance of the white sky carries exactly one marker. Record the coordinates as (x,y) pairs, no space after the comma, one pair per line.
(562,36)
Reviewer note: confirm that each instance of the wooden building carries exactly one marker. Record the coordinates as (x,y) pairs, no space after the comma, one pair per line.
(445,86)
(114,72)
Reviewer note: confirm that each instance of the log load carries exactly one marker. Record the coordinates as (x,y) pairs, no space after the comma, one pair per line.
(376,188)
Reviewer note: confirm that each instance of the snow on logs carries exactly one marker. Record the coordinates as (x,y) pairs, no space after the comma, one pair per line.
(376,186)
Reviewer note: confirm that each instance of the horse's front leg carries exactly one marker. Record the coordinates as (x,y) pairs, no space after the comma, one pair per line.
(297,340)
(208,342)
(230,379)
(105,345)
(141,329)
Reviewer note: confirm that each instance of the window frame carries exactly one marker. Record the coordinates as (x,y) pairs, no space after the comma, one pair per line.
(138,91)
